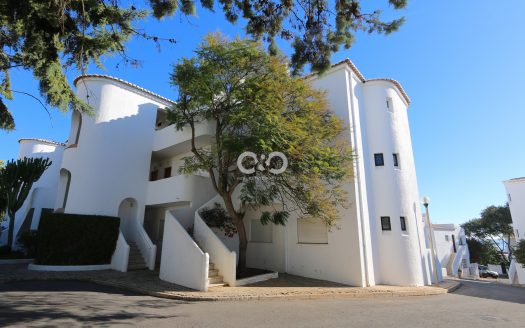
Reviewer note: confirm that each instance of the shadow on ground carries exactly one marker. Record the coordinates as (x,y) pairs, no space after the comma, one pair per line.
(492,290)
(80,303)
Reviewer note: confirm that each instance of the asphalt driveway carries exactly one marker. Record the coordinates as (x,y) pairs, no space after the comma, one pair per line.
(63,303)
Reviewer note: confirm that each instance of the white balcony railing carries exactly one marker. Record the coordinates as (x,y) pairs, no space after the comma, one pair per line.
(170,137)
(178,188)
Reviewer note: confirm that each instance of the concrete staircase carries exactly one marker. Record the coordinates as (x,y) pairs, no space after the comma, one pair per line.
(136,260)
(214,279)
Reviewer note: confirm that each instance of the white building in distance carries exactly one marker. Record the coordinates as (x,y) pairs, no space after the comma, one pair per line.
(451,249)
(124,161)
(516,197)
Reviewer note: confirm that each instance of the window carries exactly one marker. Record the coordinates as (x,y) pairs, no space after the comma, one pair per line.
(311,231)
(379,160)
(396,159)
(446,238)
(389,105)
(260,233)
(385,223)
(167,172)
(403,223)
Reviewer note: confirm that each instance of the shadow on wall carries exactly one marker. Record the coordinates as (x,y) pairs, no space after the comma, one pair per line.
(118,154)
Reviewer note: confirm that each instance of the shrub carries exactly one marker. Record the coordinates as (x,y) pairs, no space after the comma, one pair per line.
(217,217)
(73,239)
(28,239)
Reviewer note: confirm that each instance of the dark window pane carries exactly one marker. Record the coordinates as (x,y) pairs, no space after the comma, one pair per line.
(385,223)
(403,223)
(154,175)
(396,160)
(379,160)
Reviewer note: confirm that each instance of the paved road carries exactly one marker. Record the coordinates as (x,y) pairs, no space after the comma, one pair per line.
(54,303)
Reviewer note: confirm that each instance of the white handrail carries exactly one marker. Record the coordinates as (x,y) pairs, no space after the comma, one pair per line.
(224,259)
(457,260)
(183,262)
(120,257)
(146,246)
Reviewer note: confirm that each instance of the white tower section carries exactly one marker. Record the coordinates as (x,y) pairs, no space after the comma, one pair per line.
(43,193)
(107,159)
(375,112)
(393,193)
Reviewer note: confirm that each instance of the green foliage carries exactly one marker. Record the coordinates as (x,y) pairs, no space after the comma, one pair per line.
(45,37)
(217,217)
(73,239)
(28,239)
(483,251)
(16,179)
(316,28)
(519,253)
(495,224)
(257,106)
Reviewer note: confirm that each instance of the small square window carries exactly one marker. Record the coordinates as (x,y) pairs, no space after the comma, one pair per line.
(379,160)
(389,105)
(396,159)
(403,223)
(385,223)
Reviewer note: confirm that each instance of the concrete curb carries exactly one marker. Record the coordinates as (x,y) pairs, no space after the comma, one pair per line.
(212,298)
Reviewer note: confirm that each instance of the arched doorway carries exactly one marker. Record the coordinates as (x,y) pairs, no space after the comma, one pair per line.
(127,212)
(63,189)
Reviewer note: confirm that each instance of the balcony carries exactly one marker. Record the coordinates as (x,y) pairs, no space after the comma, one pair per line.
(169,141)
(176,189)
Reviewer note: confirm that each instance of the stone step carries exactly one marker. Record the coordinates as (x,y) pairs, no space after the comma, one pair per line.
(217,285)
(211,266)
(213,272)
(215,280)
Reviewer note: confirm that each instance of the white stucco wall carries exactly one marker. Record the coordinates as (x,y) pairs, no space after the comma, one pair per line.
(43,192)
(516,197)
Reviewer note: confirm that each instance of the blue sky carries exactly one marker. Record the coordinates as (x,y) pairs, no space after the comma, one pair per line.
(461,62)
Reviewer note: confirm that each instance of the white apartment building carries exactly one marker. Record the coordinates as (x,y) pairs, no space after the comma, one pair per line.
(124,161)
(516,197)
(451,249)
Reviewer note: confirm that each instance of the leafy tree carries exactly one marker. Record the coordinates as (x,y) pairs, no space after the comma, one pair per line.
(316,28)
(495,224)
(48,37)
(257,106)
(519,253)
(482,251)
(3,201)
(16,180)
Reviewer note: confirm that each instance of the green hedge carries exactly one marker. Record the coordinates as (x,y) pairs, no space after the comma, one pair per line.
(74,239)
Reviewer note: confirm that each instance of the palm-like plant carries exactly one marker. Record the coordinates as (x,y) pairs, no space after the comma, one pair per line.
(16,179)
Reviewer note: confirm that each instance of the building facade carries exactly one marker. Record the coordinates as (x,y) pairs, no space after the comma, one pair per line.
(451,249)
(123,161)
(516,197)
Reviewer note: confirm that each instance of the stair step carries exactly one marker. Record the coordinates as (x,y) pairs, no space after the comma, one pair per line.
(222,284)
(212,266)
(213,272)
(215,280)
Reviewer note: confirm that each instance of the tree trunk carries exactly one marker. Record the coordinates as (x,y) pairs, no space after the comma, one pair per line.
(10,232)
(241,231)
